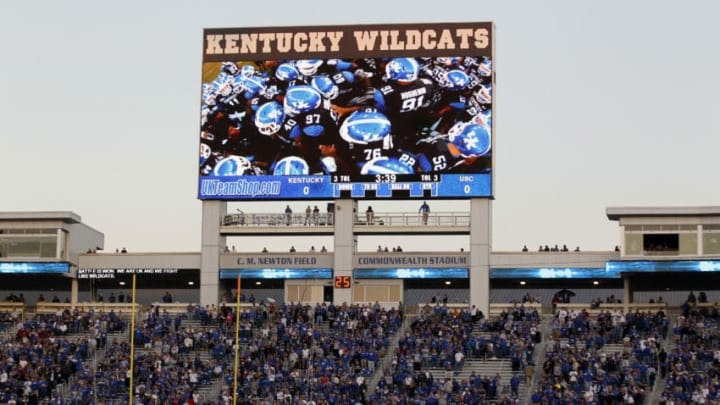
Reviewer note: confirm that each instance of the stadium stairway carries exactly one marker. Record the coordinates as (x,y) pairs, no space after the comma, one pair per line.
(208,392)
(211,392)
(652,397)
(490,368)
(668,344)
(496,366)
(373,380)
(480,367)
(538,357)
(63,390)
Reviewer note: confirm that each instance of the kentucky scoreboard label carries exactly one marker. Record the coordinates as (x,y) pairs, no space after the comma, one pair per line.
(347,111)
(349,41)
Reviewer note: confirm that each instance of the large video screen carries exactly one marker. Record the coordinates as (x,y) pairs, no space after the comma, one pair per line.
(33,268)
(347,112)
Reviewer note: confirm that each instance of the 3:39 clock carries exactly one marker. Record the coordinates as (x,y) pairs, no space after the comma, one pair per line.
(385,178)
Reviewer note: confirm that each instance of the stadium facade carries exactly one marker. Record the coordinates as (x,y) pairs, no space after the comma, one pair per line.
(57,255)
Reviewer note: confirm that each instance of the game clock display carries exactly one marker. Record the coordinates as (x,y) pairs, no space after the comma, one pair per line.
(343,281)
(350,122)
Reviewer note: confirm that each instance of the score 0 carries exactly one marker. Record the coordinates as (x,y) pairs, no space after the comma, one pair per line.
(343,281)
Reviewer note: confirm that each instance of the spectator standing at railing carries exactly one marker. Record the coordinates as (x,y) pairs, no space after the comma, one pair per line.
(369,216)
(316,215)
(425,211)
(288,215)
(308,212)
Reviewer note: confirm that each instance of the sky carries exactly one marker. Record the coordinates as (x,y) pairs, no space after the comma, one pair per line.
(598,104)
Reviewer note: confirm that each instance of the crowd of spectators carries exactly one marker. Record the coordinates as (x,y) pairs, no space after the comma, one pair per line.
(15,298)
(385,249)
(40,359)
(287,353)
(438,344)
(324,353)
(578,369)
(692,366)
(555,248)
(320,353)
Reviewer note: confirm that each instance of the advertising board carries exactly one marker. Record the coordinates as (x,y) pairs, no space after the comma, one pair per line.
(362,111)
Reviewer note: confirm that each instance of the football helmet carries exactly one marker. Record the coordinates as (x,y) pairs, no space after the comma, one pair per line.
(325,86)
(448,60)
(328,165)
(363,127)
(386,165)
(250,86)
(455,80)
(483,95)
(230,68)
(291,166)
(247,70)
(301,99)
(233,166)
(269,118)
(223,84)
(470,139)
(205,153)
(308,67)
(402,69)
(286,72)
(484,118)
(485,68)
(208,94)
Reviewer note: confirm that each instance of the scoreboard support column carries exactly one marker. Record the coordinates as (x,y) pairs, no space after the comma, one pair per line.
(480,247)
(344,249)
(74,291)
(212,243)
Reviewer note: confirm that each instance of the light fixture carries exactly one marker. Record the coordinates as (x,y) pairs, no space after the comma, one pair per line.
(191,283)
(448,282)
(122,283)
(595,282)
(258,283)
(523,282)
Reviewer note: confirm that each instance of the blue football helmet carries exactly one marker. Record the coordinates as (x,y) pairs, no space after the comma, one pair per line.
(483,95)
(328,164)
(363,127)
(485,68)
(269,118)
(205,153)
(484,118)
(286,72)
(247,70)
(250,86)
(402,69)
(301,99)
(470,139)
(325,86)
(223,84)
(455,80)
(308,67)
(386,165)
(291,166)
(233,166)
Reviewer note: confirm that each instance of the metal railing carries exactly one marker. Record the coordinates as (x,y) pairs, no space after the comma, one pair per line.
(362,219)
(264,219)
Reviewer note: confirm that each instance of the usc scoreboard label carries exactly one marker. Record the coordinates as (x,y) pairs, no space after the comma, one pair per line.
(366,111)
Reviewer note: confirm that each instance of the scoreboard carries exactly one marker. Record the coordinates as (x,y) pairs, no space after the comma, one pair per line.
(341,186)
(361,111)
